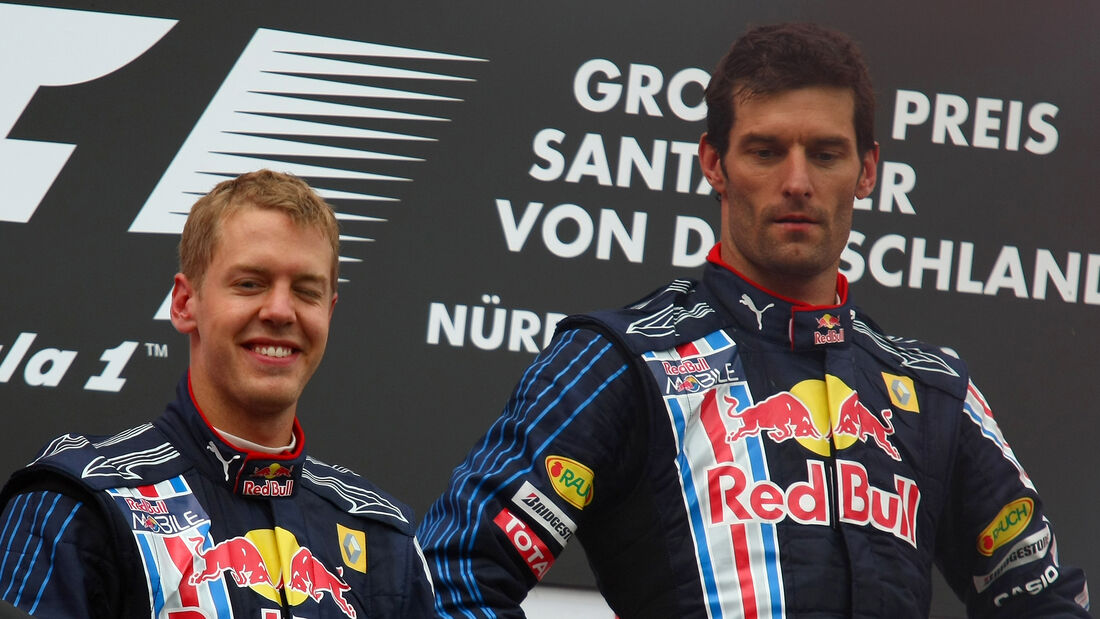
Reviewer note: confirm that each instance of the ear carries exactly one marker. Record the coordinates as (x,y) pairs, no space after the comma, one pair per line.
(711,163)
(332,306)
(183,302)
(868,173)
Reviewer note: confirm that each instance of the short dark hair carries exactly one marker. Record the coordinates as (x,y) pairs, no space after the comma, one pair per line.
(772,59)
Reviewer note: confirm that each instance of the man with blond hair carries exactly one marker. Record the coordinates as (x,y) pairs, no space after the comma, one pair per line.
(214,509)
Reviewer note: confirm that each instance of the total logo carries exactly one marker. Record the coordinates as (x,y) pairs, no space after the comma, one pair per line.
(533,550)
(818,414)
(271,563)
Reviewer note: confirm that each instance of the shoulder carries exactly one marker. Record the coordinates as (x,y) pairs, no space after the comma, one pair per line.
(935,366)
(679,312)
(134,457)
(353,494)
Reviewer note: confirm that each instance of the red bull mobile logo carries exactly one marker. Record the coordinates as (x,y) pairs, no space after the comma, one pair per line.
(271,563)
(819,415)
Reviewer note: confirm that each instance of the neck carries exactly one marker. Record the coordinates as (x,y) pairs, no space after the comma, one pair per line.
(817,290)
(267,428)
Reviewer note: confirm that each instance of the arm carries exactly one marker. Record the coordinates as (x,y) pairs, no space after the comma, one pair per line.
(522,492)
(997,549)
(55,556)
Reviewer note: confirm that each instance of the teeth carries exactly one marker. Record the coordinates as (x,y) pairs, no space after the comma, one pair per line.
(273,351)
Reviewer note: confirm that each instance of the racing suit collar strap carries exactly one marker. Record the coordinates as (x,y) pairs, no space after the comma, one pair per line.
(242,471)
(776,317)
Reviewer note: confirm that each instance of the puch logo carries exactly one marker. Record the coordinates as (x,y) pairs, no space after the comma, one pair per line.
(1009,523)
(46,41)
(818,414)
(272,110)
(571,480)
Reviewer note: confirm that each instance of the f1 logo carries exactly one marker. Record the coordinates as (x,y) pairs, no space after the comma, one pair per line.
(55,47)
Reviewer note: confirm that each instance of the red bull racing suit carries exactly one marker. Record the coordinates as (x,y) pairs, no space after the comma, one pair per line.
(167,520)
(723,452)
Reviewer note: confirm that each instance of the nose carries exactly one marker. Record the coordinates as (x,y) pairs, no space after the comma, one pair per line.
(278,306)
(796,176)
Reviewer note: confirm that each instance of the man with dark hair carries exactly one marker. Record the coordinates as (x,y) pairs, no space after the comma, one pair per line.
(751,444)
(214,509)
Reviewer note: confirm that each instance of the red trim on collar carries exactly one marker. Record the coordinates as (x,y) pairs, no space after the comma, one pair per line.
(249,454)
(715,257)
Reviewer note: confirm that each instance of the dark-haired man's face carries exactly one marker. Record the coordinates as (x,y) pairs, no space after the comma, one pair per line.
(787,184)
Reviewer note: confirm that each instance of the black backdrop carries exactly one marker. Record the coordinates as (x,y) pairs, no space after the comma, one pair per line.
(985,239)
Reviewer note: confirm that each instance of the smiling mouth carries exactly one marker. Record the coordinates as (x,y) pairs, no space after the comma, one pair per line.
(277,352)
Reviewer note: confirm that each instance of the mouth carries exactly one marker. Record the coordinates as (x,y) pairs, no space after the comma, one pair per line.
(795,218)
(274,351)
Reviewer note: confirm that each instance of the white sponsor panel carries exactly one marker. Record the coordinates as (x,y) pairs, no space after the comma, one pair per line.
(545,512)
(1027,550)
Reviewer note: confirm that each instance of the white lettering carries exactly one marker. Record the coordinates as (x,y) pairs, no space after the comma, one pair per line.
(116,358)
(688,229)
(519,327)
(609,92)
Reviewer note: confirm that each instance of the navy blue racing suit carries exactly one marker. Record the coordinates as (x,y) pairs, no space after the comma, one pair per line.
(721,451)
(167,520)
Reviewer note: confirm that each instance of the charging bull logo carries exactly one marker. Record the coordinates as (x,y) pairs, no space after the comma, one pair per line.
(818,415)
(261,561)
(273,470)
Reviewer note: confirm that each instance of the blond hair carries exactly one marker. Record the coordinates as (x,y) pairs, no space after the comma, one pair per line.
(259,189)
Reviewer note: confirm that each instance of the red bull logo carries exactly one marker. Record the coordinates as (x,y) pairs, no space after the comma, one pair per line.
(854,419)
(146,506)
(273,470)
(310,576)
(689,384)
(734,498)
(686,366)
(782,416)
(238,556)
(822,416)
(255,561)
(832,335)
(269,488)
(150,523)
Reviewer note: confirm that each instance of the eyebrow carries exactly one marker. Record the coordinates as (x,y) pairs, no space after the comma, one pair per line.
(320,278)
(765,138)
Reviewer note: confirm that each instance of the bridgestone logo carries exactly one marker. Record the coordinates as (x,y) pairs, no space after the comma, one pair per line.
(1028,550)
(545,512)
